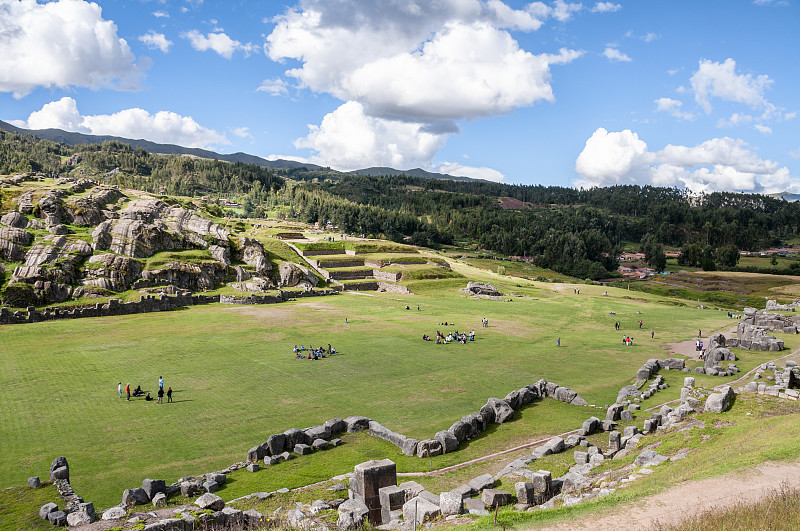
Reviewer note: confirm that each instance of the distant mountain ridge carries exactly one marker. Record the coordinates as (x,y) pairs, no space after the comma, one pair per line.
(74,139)
(382,171)
(786,196)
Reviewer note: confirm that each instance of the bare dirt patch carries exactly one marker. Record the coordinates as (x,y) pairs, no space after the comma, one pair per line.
(691,498)
(509,203)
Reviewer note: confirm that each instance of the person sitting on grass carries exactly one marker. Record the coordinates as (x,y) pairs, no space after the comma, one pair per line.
(148,398)
(138,391)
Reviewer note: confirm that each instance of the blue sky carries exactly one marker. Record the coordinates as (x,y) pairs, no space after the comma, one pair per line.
(697,94)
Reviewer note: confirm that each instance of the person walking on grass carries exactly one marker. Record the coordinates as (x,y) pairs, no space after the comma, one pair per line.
(169,395)
(160,395)
(119,389)
(128,391)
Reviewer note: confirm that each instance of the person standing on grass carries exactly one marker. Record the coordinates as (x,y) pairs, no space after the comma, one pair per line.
(119,389)
(128,391)
(558,342)
(161,382)
(169,395)
(160,395)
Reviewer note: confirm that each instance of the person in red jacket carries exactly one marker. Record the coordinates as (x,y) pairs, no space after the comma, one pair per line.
(128,391)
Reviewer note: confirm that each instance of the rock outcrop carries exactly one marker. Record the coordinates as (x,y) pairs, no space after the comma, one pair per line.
(484,289)
(291,274)
(716,351)
(252,253)
(112,272)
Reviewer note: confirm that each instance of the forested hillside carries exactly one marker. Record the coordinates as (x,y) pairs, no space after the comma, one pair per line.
(576,232)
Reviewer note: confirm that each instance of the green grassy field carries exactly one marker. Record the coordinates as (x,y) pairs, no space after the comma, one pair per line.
(236,380)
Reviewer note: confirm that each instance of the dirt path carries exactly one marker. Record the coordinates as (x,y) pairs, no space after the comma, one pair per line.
(691,498)
(687,348)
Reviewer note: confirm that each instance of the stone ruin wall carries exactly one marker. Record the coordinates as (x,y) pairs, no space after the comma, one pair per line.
(773,306)
(148,304)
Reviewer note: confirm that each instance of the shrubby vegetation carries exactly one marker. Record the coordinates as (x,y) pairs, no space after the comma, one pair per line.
(576,232)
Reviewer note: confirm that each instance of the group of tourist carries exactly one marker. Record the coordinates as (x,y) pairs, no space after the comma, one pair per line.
(459,337)
(485,322)
(312,353)
(139,392)
(732,315)
(627,341)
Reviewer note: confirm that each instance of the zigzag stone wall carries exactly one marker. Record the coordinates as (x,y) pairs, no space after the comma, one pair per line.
(278,447)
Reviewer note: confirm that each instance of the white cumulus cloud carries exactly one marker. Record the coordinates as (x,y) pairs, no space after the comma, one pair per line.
(424,65)
(610,158)
(163,127)
(242,132)
(606,7)
(720,80)
(61,44)
(612,54)
(156,41)
(349,139)
(474,172)
(218,42)
(673,107)
(275,86)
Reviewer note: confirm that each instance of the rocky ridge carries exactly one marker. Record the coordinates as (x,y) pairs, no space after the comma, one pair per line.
(65,264)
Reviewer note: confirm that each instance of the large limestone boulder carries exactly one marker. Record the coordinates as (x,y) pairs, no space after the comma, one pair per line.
(151,487)
(429,448)
(252,253)
(51,208)
(717,352)
(114,513)
(187,276)
(15,235)
(14,219)
(11,242)
(291,274)
(147,226)
(25,203)
(59,469)
(502,410)
(720,401)
(111,272)
(46,509)
(210,501)
(421,508)
(481,288)
(352,514)
(132,497)
(220,254)
(83,515)
(447,440)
